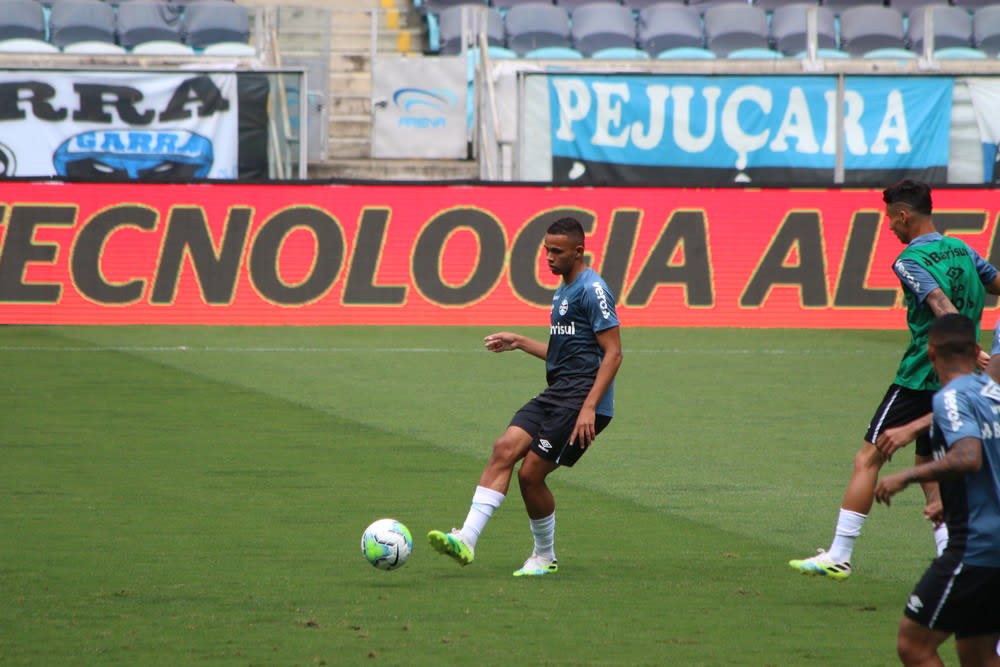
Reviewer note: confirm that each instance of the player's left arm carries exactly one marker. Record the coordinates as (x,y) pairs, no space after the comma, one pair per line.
(611,345)
(964,457)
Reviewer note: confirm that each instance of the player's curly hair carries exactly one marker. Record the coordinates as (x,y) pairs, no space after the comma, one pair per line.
(913,194)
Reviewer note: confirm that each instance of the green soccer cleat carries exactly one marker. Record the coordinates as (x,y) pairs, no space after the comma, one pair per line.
(451,544)
(537,566)
(821,564)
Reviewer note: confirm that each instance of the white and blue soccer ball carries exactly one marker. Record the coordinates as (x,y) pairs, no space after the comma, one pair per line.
(387,544)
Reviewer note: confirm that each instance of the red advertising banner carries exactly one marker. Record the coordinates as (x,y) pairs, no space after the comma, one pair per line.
(435,254)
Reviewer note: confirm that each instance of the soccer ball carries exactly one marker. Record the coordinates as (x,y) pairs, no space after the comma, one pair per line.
(387,544)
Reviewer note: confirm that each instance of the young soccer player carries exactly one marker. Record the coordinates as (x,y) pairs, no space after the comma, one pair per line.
(556,427)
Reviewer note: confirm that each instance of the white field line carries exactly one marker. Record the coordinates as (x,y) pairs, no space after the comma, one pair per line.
(144,349)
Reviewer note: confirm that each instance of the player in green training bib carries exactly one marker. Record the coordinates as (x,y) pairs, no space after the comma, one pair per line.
(939,275)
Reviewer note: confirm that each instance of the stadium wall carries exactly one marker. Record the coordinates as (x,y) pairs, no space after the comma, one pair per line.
(319,254)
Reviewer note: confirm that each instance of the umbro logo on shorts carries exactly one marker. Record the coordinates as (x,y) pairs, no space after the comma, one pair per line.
(544,445)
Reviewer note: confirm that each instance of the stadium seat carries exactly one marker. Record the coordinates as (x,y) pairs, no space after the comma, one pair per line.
(450,28)
(81,20)
(597,26)
(972,5)
(986,29)
(534,25)
(26,45)
(147,20)
(952,27)
(210,21)
(831,54)
(790,27)
(162,48)
(838,6)
(863,29)
(571,5)
(507,4)
(771,5)
(241,49)
(702,6)
(620,53)
(959,53)
(637,5)
(22,19)
(669,26)
(889,53)
(754,53)
(905,7)
(734,26)
(94,48)
(554,53)
(686,53)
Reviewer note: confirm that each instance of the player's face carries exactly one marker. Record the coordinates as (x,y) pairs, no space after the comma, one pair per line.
(898,217)
(561,253)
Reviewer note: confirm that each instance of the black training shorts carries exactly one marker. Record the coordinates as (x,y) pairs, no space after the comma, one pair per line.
(956,597)
(550,427)
(901,406)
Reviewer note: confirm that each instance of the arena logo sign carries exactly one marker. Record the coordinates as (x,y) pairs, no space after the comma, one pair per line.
(250,256)
(728,121)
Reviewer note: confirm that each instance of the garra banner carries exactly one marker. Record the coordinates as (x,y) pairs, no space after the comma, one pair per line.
(694,130)
(141,125)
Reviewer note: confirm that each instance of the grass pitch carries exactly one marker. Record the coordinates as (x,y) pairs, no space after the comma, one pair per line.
(196,496)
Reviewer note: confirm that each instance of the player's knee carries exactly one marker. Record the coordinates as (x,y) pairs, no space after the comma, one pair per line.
(507,451)
(868,458)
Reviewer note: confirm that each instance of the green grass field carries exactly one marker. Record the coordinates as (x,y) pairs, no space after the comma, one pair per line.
(196,496)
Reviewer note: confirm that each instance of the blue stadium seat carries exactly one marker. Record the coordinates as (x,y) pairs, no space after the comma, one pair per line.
(554,53)
(959,53)
(686,53)
(620,53)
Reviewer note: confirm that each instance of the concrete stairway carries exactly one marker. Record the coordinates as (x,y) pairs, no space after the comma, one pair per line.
(304,32)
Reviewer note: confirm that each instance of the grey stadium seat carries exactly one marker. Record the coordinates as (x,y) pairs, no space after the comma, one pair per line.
(571,5)
(952,27)
(790,25)
(734,26)
(904,7)
(702,6)
(21,19)
(986,29)
(598,26)
(669,26)
(450,26)
(148,20)
(81,20)
(972,5)
(840,5)
(534,25)
(642,4)
(771,5)
(864,29)
(211,21)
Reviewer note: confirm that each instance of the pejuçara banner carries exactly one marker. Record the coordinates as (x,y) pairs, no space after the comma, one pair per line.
(721,130)
(318,254)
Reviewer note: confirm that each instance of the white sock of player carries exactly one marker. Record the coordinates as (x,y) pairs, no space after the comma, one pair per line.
(484,502)
(848,528)
(941,537)
(544,532)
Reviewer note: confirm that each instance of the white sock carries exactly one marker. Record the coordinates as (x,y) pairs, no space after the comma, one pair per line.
(484,502)
(848,528)
(544,532)
(941,537)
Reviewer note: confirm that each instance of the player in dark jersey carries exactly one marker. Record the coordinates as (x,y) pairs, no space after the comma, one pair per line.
(556,427)
(939,275)
(960,592)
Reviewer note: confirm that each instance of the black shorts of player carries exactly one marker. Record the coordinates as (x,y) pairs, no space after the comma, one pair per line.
(901,406)
(958,598)
(550,427)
